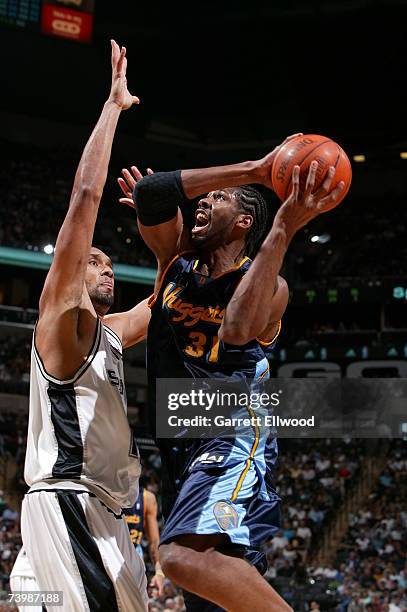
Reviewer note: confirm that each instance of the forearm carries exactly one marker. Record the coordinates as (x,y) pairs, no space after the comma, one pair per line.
(247,313)
(153,548)
(201,180)
(94,163)
(157,197)
(76,234)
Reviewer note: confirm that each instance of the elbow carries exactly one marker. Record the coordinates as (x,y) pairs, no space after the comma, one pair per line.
(236,334)
(88,193)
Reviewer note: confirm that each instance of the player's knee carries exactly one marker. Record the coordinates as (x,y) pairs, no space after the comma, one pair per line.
(172,560)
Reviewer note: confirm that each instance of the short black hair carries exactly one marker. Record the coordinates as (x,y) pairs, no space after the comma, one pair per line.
(253,202)
(107,250)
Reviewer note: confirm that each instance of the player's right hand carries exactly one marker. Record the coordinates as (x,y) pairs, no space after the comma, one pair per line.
(301,207)
(128,182)
(119,94)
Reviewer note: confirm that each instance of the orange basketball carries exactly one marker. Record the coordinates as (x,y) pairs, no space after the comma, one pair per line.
(301,151)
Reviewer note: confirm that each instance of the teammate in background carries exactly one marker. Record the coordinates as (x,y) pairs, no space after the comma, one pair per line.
(217,313)
(142,518)
(82,464)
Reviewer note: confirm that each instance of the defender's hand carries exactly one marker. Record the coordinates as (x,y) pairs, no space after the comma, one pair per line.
(128,183)
(157,581)
(300,208)
(263,166)
(119,94)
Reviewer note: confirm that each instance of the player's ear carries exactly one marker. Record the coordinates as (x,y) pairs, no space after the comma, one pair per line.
(244,221)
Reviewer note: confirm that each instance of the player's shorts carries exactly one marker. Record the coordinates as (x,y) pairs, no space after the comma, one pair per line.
(226,500)
(73,543)
(22,579)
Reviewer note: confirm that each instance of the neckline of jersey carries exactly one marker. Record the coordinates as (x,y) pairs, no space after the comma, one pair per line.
(214,278)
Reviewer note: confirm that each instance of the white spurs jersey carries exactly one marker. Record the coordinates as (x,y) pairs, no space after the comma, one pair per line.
(78,432)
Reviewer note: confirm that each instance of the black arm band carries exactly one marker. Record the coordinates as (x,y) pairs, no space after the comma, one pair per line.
(158,196)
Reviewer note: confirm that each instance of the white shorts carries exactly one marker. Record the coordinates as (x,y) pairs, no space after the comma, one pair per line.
(73,543)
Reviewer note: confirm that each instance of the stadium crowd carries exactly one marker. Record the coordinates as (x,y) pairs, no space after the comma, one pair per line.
(15,354)
(35,180)
(312,477)
(370,571)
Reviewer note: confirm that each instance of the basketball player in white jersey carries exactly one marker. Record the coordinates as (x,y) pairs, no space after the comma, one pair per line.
(82,465)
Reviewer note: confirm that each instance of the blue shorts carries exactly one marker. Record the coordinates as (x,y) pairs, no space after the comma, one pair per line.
(227,500)
(230,500)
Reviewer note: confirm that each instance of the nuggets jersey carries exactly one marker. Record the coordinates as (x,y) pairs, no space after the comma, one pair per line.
(134,518)
(187,312)
(78,433)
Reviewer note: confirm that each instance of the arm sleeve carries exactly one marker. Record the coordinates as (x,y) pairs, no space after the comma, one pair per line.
(158,196)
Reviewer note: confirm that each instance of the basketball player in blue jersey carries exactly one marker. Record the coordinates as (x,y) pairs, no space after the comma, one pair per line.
(82,464)
(216,313)
(142,521)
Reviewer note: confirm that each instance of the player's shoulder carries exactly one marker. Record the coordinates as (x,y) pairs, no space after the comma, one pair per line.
(149,497)
(181,262)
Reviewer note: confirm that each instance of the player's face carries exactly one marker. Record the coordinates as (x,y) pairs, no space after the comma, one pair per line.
(219,220)
(99,279)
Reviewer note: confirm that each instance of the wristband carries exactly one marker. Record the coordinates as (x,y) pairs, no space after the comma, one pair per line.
(157,197)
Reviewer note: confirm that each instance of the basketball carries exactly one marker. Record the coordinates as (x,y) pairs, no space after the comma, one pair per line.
(302,151)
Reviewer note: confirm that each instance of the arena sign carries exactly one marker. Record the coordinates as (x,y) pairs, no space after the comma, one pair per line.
(68,19)
(389,368)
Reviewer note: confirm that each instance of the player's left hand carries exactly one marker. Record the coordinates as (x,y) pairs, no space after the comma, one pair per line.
(128,182)
(119,94)
(302,207)
(263,166)
(157,581)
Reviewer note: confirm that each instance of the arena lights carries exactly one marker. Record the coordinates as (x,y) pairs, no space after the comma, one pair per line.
(403,154)
(359,158)
(48,249)
(322,239)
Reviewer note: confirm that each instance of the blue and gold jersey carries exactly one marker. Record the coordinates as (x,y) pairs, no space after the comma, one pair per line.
(134,518)
(183,342)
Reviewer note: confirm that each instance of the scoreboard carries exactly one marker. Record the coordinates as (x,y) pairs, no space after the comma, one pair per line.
(24,14)
(71,19)
(385,292)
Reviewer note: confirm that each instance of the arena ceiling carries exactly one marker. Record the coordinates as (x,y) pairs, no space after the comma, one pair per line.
(216,74)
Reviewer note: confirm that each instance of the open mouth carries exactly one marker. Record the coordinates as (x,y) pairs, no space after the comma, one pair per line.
(110,285)
(201,221)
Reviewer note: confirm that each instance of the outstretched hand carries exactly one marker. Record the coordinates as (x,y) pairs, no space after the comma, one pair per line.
(264,165)
(128,182)
(302,207)
(119,94)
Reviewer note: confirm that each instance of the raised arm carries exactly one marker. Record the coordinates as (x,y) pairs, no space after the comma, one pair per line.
(64,294)
(162,199)
(260,299)
(131,325)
